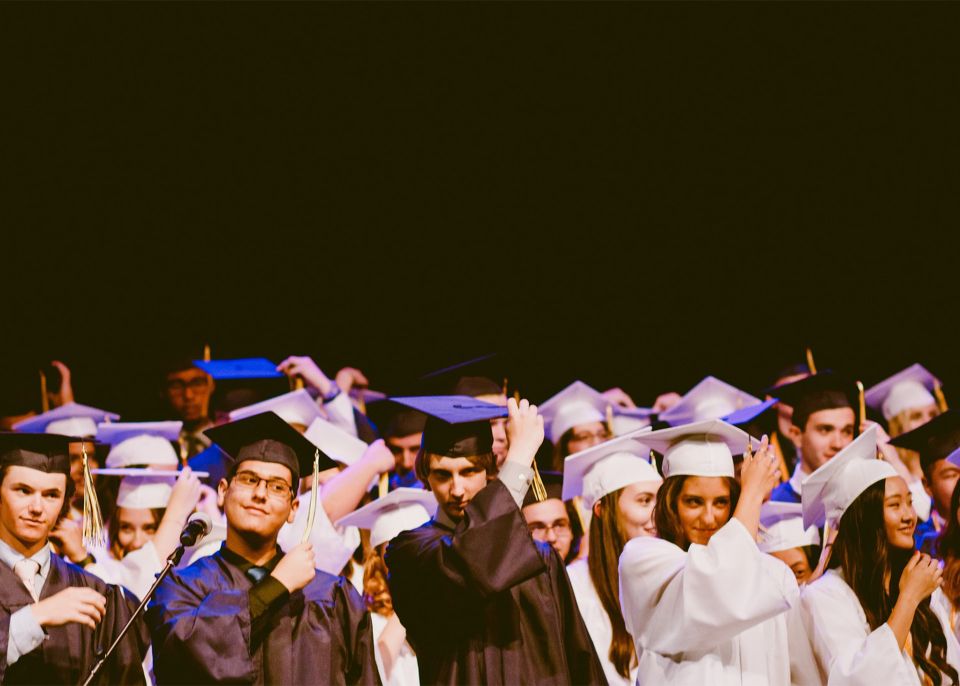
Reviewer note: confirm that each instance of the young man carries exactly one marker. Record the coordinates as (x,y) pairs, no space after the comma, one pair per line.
(552,520)
(934,441)
(54,617)
(823,423)
(481,601)
(250,613)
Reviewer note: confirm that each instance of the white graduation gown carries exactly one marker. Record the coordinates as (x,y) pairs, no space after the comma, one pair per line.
(597,620)
(406,671)
(713,615)
(136,571)
(332,546)
(847,652)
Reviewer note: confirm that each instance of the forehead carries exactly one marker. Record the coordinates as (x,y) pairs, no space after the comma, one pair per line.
(411,441)
(187,374)
(706,486)
(837,416)
(35,478)
(135,515)
(266,470)
(450,464)
(894,485)
(589,426)
(549,510)
(642,487)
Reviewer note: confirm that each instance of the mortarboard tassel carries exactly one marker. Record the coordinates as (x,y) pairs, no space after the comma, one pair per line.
(44,399)
(362,403)
(92,519)
(314,492)
(863,408)
(578,509)
(206,352)
(610,419)
(810,365)
(384,486)
(183,452)
(784,471)
(941,398)
(539,492)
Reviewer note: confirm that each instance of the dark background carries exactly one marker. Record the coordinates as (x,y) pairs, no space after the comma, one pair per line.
(631,194)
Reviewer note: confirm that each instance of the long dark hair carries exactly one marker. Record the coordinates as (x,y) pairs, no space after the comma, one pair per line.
(872,568)
(948,549)
(606,544)
(666,516)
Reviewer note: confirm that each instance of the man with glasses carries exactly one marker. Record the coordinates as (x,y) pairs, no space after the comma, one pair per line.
(188,389)
(553,521)
(250,613)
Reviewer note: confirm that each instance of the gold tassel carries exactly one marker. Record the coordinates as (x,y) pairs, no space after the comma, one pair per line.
(362,403)
(314,492)
(810,365)
(183,452)
(938,394)
(578,508)
(206,352)
(93,534)
(44,400)
(863,406)
(775,442)
(384,486)
(610,419)
(539,492)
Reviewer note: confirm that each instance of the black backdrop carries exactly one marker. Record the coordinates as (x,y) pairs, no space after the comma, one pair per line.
(632,194)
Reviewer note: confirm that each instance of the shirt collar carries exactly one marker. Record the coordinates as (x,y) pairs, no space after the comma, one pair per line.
(243,564)
(798,476)
(10,557)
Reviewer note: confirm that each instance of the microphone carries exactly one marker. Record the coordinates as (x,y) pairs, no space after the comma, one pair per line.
(198,526)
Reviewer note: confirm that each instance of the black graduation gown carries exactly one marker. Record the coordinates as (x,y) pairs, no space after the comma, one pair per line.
(485,604)
(68,653)
(200,621)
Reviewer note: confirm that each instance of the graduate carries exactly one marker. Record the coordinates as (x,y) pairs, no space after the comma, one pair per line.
(703,604)
(54,617)
(619,485)
(711,398)
(870,616)
(481,601)
(400,510)
(575,419)
(401,429)
(250,612)
(948,549)
(783,536)
(554,520)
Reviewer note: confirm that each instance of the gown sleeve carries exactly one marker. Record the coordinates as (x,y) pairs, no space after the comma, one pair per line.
(675,602)
(357,632)
(332,546)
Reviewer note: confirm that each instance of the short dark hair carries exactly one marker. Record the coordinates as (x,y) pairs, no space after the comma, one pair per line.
(486,461)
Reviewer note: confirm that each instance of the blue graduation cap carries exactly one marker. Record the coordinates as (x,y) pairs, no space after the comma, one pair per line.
(457,425)
(745,415)
(241,368)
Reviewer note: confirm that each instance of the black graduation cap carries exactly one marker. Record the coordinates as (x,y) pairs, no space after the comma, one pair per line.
(479,376)
(394,420)
(824,391)
(44,452)
(457,425)
(934,440)
(552,482)
(267,438)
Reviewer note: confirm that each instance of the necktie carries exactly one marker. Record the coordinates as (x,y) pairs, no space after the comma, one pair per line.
(27,570)
(257,573)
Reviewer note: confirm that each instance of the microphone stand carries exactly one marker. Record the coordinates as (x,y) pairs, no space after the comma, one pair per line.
(172,562)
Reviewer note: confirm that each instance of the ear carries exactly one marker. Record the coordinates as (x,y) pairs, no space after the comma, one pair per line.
(221,492)
(794,433)
(295,505)
(597,509)
(926,485)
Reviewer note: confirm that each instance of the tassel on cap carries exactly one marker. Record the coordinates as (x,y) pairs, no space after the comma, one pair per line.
(941,398)
(93,534)
(314,492)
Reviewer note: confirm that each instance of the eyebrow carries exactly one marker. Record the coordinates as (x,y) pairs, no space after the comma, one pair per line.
(262,477)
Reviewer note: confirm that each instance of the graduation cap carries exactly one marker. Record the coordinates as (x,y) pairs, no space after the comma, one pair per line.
(908,389)
(394,420)
(935,440)
(711,398)
(146,492)
(400,510)
(457,425)
(629,419)
(553,487)
(70,419)
(608,467)
(750,414)
(831,489)
(140,443)
(576,404)
(479,376)
(295,407)
(240,368)
(781,528)
(824,391)
(335,442)
(699,449)
(212,461)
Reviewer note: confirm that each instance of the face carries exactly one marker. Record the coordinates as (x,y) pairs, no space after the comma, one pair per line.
(135,526)
(584,436)
(188,392)
(30,504)
(454,481)
(796,560)
(404,449)
(548,522)
(943,479)
(917,417)
(827,433)
(258,510)
(499,429)
(635,509)
(899,518)
(703,506)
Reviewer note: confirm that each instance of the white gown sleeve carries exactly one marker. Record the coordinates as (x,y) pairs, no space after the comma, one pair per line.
(675,602)
(332,546)
(340,413)
(136,571)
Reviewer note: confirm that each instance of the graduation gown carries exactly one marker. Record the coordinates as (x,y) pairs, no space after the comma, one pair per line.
(484,604)
(68,653)
(201,624)
(848,652)
(715,614)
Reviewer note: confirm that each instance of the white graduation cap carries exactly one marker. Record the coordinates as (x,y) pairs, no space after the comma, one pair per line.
(576,404)
(295,407)
(70,419)
(709,399)
(905,390)
(145,492)
(828,492)
(627,420)
(608,467)
(336,443)
(141,443)
(699,449)
(782,528)
(400,510)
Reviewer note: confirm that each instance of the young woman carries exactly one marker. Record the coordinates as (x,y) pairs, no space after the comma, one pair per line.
(619,486)
(948,550)
(870,617)
(574,419)
(783,536)
(703,604)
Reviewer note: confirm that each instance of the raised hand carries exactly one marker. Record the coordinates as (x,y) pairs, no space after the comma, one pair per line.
(348,378)
(68,535)
(665,401)
(306,369)
(759,473)
(619,397)
(77,604)
(296,569)
(185,494)
(524,431)
(921,577)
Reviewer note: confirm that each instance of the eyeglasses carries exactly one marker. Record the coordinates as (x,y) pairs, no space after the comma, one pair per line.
(276,488)
(561,528)
(179,387)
